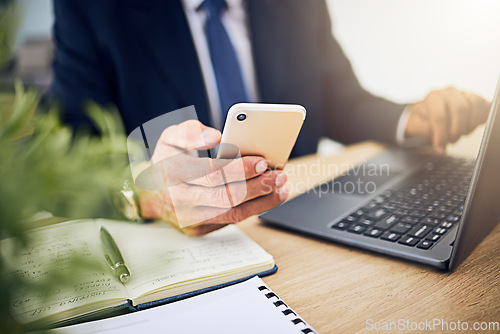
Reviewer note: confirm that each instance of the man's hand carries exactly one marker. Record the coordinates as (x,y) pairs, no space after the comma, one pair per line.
(445,115)
(201,195)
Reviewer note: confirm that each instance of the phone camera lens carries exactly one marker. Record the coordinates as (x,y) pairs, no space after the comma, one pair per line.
(241,117)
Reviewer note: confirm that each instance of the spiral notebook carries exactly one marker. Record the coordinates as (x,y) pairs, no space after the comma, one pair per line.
(248,307)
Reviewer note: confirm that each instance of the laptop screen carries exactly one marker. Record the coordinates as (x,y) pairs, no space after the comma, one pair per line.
(482,207)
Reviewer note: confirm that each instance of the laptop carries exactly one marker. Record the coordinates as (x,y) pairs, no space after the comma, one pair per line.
(425,208)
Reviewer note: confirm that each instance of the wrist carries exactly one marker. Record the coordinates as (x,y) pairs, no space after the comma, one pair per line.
(403,137)
(127,202)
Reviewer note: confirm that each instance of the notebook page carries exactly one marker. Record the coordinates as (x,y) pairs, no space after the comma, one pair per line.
(54,251)
(158,255)
(240,308)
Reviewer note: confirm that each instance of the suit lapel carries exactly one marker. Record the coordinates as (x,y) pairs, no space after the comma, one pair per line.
(266,36)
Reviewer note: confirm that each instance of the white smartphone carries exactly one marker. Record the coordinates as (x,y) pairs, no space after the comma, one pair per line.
(267,130)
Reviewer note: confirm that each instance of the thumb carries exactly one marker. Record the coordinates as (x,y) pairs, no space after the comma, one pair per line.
(187,136)
(211,137)
(190,135)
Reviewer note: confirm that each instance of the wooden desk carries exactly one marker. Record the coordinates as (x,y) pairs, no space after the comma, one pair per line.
(337,288)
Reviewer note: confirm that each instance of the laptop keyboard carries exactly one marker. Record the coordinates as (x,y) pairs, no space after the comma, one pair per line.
(419,213)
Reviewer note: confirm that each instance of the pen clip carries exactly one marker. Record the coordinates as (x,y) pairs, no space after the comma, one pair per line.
(109,261)
(113,265)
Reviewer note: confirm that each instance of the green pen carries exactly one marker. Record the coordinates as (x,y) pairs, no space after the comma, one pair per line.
(114,257)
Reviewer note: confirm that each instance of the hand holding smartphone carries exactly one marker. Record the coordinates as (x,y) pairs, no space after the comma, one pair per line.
(267,130)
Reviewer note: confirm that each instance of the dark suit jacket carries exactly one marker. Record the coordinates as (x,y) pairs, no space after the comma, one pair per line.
(139,55)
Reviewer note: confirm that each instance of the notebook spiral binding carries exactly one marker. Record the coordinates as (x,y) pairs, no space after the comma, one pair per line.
(287,311)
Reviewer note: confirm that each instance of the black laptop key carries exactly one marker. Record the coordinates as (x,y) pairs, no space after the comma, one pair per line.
(409,241)
(351,218)
(440,230)
(377,214)
(385,223)
(389,206)
(374,232)
(358,229)
(359,213)
(390,236)
(437,215)
(446,224)
(430,221)
(435,203)
(420,231)
(401,212)
(365,222)
(341,225)
(445,209)
(401,228)
(433,237)
(451,203)
(409,220)
(418,214)
(425,244)
(407,206)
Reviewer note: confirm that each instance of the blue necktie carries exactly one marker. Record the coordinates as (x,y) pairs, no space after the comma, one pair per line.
(224,59)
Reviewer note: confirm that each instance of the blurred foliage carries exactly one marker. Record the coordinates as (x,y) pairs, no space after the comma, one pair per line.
(46,166)
(9,25)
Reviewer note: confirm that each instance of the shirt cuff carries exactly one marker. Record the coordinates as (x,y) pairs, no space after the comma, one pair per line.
(401,139)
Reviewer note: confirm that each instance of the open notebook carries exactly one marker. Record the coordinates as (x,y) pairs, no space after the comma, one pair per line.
(165,265)
(245,308)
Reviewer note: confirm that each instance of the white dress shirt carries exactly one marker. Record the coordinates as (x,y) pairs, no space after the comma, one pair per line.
(235,21)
